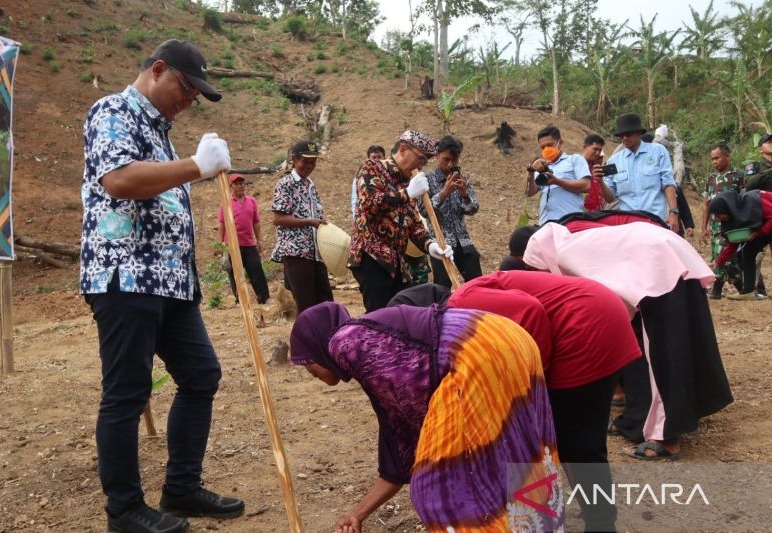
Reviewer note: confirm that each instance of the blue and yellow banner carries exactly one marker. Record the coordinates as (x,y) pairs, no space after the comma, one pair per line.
(9,54)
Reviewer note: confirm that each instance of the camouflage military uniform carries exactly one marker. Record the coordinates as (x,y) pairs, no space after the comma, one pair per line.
(731,180)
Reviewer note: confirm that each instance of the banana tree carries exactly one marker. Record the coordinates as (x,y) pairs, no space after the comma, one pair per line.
(650,52)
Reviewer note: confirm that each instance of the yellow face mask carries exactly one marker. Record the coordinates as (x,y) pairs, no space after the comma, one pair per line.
(550,153)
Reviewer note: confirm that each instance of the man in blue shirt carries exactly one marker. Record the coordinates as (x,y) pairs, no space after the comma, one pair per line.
(567,178)
(644,179)
(138,274)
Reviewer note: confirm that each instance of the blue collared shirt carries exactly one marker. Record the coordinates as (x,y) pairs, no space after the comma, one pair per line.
(555,201)
(641,179)
(149,243)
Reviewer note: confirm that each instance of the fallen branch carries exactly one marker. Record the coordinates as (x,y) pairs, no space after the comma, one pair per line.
(545,107)
(43,257)
(69,250)
(230,73)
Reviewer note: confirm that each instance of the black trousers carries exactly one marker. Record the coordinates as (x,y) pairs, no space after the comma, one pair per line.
(635,382)
(307,279)
(581,419)
(132,327)
(375,284)
(253,266)
(466,258)
(748,260)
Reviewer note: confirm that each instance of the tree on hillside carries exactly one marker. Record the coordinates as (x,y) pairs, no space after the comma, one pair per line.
(706,36)
(650,52)
(441,13)
(752,32)
(363,15)
(516,27)
(604,62)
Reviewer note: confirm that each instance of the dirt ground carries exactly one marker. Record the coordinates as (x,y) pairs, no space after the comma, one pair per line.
(48,477)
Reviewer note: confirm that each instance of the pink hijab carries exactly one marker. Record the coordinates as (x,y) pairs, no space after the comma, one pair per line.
(633,260)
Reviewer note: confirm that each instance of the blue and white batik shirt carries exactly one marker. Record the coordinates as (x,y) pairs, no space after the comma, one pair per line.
(149,243)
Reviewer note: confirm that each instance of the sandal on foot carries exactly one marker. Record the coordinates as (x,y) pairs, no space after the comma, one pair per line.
(618,401)
(612,429)
(660,452)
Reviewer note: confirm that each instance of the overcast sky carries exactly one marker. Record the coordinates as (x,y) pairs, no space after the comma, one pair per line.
(671,15)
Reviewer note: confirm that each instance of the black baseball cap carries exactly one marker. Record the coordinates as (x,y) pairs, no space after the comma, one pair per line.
(185,57)
(305,148)
(764,138)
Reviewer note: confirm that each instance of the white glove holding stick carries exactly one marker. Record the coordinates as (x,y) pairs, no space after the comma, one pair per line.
(212,155)
(438,253)
(417,186)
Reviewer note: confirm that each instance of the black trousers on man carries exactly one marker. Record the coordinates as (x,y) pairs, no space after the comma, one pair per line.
(307,280)
(748,260)
(132,327)
(375,283)
(253,266)
(581,418)
(467,260)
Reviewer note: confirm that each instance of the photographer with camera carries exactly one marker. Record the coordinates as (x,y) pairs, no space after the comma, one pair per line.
(453,198)
(561,178)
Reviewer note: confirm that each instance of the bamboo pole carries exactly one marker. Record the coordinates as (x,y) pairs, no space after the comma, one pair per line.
(6,319)
(450,266)
(285,478)
(147,414)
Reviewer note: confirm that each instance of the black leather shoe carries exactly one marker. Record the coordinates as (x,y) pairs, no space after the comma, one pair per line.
(201,503)
(144,519)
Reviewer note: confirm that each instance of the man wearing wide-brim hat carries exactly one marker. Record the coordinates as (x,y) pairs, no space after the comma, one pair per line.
(644,179)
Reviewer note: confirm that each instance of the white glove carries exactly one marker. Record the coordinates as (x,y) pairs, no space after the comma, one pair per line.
(418,185)
(438,253)
(212,155)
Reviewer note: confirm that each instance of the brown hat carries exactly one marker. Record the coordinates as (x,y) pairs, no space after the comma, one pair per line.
(185,57)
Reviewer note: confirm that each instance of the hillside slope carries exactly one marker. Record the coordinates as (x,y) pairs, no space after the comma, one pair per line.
(106,40)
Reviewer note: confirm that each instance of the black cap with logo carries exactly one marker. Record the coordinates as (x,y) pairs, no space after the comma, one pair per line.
(185,57)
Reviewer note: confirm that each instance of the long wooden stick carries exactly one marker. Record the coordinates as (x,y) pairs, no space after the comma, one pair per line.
(147,414)
(450,266)
(285,478)
(6,319)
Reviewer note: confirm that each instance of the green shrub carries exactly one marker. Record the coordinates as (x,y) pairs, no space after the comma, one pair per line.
(310,56)
(212,19)
(319,45)
(276,51)
(321,55)
(55,66)
(297,26)
(26,48)
(320,69)
(249,85)
(215,62)
(86,56)
(362,71)
(263,24)
(228,55)
(226,83)
(335,69)
(342,48)
(134,39)
(49,54)
(229,64)
(85,76)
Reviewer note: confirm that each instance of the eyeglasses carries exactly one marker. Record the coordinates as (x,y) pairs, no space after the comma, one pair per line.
(422,159)
(186,88)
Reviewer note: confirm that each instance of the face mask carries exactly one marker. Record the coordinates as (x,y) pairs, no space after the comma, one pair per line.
(550,153)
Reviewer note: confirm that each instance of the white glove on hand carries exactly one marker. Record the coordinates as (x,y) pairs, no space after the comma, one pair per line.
(418,185)
(212,155)
(438,253)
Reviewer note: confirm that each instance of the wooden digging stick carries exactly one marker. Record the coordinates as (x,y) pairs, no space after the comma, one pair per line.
(147,414)
(450,266)
(285,478)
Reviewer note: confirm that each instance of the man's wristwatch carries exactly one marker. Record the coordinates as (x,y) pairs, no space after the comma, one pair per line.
(675,210)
